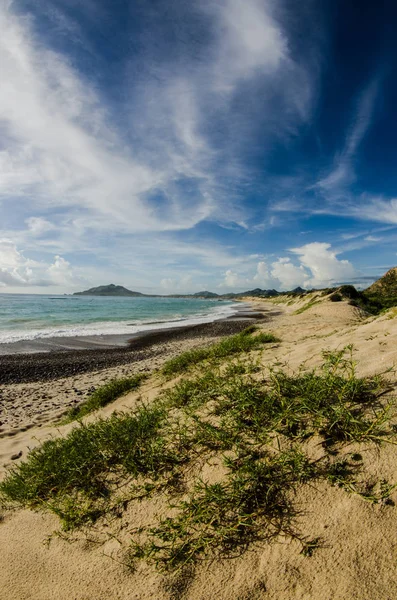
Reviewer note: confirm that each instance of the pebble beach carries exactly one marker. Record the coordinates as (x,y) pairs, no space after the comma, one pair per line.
(40,387)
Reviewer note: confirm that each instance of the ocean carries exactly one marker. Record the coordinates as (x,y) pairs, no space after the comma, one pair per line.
(35,317)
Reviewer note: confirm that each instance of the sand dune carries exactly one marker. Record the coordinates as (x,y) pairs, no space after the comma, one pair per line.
(357,557)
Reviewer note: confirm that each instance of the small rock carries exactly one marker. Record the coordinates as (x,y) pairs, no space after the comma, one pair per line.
(16,456)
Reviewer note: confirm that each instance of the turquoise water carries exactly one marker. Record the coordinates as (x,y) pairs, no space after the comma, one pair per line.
(29,317)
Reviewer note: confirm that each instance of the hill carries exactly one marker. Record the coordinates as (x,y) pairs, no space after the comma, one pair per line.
(108,290)
(119,290)
(386,286)
(256,293)
(205,295)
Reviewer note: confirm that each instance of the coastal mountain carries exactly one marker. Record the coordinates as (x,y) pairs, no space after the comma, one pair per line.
(205,295)
(256,293)
(108,290)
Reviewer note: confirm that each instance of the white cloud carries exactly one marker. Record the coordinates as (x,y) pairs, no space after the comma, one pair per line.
(61,274)
(264,276)
(324,266)
(13,278)
(182,285)
(375,209)
(61,151)
(289,275)
(10,257)
(318,267)
(80,183)
(372,238)
(251,42)
(232,280)
(37,225)
(16,270)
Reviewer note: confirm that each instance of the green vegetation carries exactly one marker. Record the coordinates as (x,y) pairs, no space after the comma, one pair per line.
(252,504)
(335,297)
(386,286)
(306,306)
(332,402)
(255,423)
(105,395)
(381,296)
(235,344)
(74,476)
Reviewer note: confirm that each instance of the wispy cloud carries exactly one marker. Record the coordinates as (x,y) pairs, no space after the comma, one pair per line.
(60,149)
(375,208)
(336,191)
(342,173)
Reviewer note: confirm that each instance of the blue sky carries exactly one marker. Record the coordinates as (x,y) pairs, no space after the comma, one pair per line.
(180,146)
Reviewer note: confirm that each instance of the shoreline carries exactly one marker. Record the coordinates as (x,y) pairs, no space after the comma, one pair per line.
(53,364)
(104,334)
(101,341)
(37,389)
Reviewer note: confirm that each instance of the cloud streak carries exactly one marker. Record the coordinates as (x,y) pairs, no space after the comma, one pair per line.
(343,172)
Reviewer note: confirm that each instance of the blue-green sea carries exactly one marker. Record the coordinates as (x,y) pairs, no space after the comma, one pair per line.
(30,317)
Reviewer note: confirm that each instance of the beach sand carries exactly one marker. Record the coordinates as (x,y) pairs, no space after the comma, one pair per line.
(357,557)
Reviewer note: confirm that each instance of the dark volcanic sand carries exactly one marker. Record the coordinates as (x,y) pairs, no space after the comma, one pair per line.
(44,366)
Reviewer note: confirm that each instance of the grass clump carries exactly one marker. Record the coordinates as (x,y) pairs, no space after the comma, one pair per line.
(105,395)
(252,504)
(235,344)
(332,402)
(72,476)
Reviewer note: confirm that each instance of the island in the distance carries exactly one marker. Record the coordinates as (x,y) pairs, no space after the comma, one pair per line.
(108,290)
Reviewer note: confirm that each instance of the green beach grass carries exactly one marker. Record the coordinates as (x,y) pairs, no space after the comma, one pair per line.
(256,421)
(104,395)
(244,341)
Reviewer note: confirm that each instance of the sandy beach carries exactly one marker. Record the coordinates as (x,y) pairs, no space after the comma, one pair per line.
(356,560)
